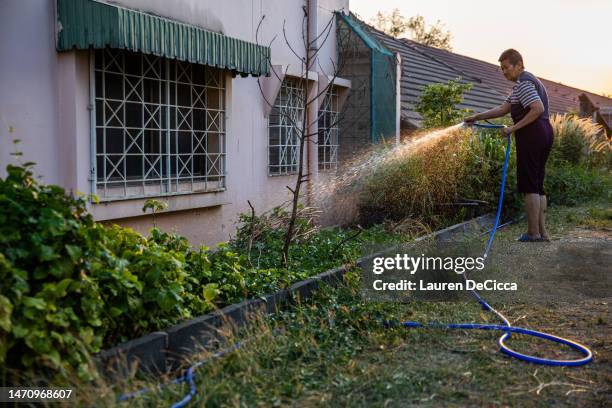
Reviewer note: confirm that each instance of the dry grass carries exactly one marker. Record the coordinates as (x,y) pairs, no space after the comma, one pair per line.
(425,176)
(578,140)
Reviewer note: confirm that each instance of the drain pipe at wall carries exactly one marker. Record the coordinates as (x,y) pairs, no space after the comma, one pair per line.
(311,125)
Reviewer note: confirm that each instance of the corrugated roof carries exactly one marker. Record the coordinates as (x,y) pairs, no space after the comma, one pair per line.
(420,69)
(562,98)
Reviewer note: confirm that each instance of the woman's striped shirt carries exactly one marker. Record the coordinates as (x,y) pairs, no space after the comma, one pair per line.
(528,90)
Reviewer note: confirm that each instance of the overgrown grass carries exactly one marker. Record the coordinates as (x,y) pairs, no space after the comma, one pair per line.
(595,217)
(579,141)
(599,218)
(423,180)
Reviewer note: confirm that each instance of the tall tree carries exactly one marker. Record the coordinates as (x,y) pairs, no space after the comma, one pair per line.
(395,25)
(392,23)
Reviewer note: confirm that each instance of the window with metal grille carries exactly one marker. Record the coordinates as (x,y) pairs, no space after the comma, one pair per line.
(284,128)
(159,126)
(328,131)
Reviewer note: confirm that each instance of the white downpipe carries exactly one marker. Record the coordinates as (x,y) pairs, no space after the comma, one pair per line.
(313,108)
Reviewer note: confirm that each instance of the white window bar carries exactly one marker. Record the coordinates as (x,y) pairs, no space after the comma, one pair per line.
(159,126)
(284,128)
(328,131)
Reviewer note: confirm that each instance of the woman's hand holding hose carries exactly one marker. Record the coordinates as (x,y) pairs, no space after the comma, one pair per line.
(506,131)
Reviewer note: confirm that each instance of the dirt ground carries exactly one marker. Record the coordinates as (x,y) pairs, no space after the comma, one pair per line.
(564,288)
(567,291)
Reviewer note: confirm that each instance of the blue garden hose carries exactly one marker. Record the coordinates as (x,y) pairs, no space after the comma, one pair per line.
(507,327)
(187,377)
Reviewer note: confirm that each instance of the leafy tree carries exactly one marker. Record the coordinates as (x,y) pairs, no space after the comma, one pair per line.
(434,36)
(394,24)
(437,104)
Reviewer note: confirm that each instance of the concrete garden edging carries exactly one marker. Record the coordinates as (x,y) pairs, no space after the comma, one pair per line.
(162,351)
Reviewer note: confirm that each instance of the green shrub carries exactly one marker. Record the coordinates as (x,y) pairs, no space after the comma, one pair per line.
(437,103)
(580,161)
(71,286)
(570,185)
(52,314)
(484,161)
(143,282)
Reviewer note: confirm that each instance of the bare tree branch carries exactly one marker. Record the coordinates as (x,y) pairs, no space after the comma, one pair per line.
(301,129)
(329,24)
(326,31)
(347,239)
(327,87)
(289,44)
(251,231)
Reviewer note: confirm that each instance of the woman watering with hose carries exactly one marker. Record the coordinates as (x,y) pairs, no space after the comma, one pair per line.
(528,106)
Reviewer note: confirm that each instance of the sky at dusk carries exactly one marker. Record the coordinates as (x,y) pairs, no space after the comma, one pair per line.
(567,41)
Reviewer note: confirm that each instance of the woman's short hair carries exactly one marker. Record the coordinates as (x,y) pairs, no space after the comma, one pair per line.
(512,55)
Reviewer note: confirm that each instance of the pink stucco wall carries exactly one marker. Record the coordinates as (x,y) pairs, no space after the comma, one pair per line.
(29,94)
(44,96)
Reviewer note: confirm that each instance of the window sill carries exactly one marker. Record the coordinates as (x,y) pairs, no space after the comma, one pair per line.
(282,175)
(132,207)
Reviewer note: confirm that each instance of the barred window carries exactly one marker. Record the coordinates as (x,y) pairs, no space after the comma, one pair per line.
(284,126)
(328,131)
(159,126)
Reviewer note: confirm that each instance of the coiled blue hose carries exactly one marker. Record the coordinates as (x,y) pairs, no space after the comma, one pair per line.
(507,327)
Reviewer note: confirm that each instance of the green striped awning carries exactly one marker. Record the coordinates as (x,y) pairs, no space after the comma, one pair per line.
(85,24)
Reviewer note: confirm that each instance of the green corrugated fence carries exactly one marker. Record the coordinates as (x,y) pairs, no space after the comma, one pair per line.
(383,75)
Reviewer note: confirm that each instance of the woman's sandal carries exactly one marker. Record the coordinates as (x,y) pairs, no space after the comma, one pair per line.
(526,238)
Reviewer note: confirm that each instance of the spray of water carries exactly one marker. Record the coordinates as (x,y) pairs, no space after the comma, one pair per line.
(338,195)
